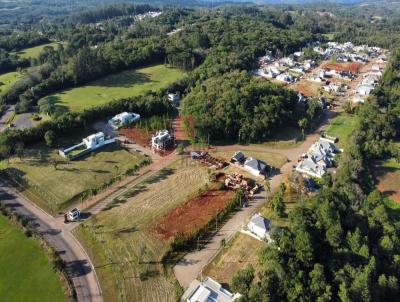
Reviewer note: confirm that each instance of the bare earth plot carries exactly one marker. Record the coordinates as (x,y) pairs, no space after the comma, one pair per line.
(121,239)
(388,176)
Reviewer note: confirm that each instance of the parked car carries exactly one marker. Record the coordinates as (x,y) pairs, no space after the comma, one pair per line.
(73,214)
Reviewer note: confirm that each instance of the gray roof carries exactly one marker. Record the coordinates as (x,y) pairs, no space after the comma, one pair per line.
(261,222)
(256,164)
(238,156)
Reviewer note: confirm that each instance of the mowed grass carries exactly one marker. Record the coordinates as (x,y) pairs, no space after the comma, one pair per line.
(54,187)
(240,252)
(121,240)
(124,84)
(26,272)
(33,52)
(7,80)
(342,127)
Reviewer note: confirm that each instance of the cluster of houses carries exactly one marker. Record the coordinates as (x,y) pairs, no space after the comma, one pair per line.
(285,69)
(319,157)
(368,83)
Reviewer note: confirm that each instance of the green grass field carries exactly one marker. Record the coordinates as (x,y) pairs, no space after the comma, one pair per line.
(7,79)
(121,241)
(120,85)
(342,127)
(26,272)
(54,188)
(33,52)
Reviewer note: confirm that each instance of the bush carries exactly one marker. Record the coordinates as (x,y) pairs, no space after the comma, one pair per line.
(50,138)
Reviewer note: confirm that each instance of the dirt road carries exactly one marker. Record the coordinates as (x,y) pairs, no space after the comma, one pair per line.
(79,266)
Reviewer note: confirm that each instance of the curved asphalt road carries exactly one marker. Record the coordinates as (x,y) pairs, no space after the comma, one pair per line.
(56,233)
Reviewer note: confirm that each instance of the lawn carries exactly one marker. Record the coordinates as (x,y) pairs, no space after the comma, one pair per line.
(124,84)
(342,127)
(286,137)
(273,159)
(26,272)
(33,52)
(54,187)
(121,240)
(238,253)
(7,79)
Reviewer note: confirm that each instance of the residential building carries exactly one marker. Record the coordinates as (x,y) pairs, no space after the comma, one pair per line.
(123,119)
(161,140)
(94,141)
(173,98)
(260,227)
(238,157)
(208,290)
(365,89)
(285,77)
(256,167)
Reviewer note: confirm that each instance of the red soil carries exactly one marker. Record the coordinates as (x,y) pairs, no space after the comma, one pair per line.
(305,88)
(353,67)
(193,214)
(137,135)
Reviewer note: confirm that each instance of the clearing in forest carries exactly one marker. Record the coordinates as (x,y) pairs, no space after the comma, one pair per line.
(33,52)
(7,80)
(115,86)
(388,177)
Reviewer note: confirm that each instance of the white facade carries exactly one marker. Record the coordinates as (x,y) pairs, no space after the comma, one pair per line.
(94,141)
(123,119)
(260,227)
(208,291)
(160,140)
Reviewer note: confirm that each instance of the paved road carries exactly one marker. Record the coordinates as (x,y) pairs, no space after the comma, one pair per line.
(191,266)
(79,267)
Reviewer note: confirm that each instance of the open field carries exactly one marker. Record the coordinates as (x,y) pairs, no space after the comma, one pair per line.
(238,253)
(121,240)
(388,177)
(275,160)
(6,80)
(124,84)
(308,88)
(33,52)
(54,186)
(342,127)
(26,272)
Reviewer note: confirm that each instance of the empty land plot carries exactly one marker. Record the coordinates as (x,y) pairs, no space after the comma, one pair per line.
(121,240)
(53,181)
(275,160)
(388,177)
(7,80)
(120,85)
(194,214)
(308,88)
(342,127)
(33,52)
(353,67)
(26,272)
(241,251)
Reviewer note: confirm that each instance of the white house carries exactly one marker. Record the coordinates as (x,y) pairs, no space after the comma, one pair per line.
(94,141)
(308,166)
(173,98)
(123,119)
(365,89)
(161,140)
(208,291)
(260,227)
(255,167)
(285,77)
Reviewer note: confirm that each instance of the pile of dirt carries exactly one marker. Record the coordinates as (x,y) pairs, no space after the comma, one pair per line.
(193,214)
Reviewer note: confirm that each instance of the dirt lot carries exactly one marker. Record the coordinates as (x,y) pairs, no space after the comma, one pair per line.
(388,176)
(307,88)
(353,67)
(193,214)
(139,136)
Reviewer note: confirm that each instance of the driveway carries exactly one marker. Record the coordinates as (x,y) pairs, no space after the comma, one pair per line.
(79,266)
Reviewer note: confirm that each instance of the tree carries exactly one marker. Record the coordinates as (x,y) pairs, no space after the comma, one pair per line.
(242,280)
(267,186)
(276,203)
(19,149)
(303,125)
(50,138)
